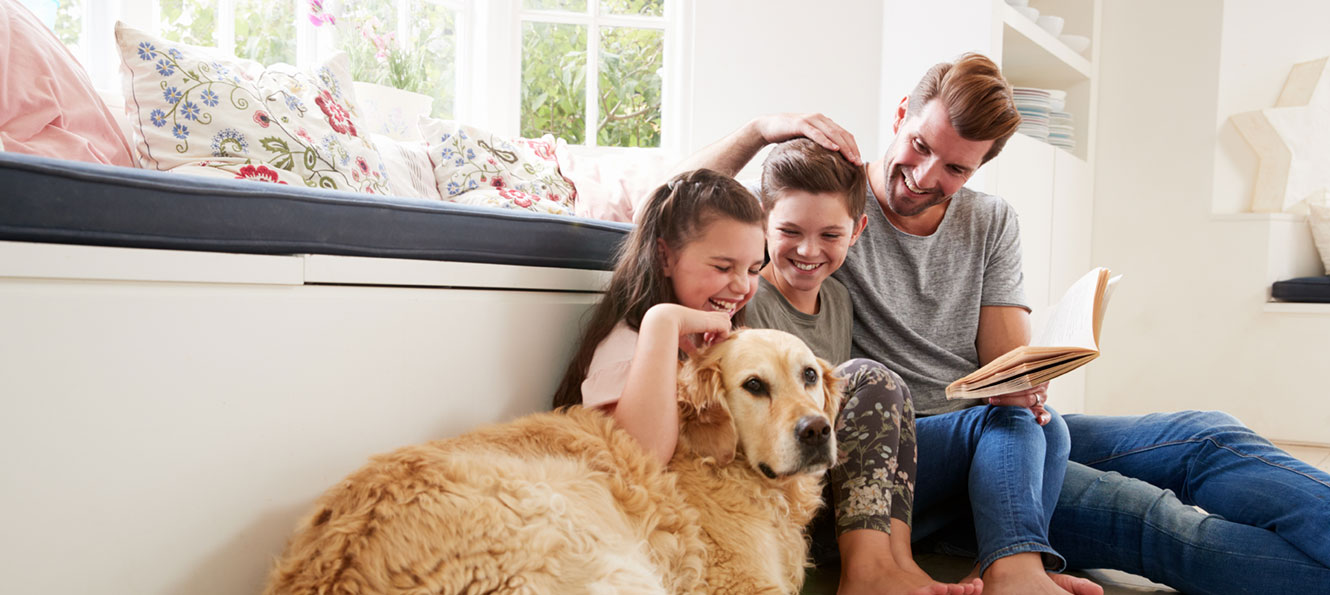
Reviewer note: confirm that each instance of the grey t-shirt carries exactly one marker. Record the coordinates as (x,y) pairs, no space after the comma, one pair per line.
(917,298)
(827,333)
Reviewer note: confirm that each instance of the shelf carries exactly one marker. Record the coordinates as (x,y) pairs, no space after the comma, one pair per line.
(1033,57)
(1297,308)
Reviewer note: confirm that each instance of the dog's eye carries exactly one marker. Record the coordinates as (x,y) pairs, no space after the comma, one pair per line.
(810,376)
(755,387)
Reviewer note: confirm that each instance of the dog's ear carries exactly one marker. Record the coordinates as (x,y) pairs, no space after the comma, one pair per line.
(705,426)
(833,390)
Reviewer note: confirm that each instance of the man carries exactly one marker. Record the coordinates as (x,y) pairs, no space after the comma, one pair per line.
(936,295)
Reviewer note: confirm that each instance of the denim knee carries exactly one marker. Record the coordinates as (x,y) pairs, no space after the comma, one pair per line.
(1055,433)
(1214,425)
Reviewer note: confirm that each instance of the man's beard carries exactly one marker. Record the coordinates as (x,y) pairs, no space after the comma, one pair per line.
(895,203)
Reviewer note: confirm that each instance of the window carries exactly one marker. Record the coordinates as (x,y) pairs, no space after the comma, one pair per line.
(592,70)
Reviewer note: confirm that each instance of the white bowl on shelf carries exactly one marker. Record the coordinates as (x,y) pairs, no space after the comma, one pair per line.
(1028,12)
(1018,2)
(1077,43)
(1051,23)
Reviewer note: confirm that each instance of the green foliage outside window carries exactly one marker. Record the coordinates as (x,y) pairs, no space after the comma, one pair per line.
(265,31)
(69,21)
(189,21)
(423,62)
(630,84)
(628,80)
(554,81)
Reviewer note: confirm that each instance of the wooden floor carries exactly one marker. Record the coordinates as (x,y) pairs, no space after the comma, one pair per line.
(1114,582)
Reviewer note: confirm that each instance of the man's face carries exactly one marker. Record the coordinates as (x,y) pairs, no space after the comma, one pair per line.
(929,161)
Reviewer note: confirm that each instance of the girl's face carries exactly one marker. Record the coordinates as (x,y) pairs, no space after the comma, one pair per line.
(808,236)
(717,271)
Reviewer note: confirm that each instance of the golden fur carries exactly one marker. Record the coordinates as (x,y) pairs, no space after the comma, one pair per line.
(567,502)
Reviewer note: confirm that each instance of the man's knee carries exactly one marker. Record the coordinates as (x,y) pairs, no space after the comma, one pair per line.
(1216,425)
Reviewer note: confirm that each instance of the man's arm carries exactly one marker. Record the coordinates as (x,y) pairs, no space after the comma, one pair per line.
(730,154)
(1001,329)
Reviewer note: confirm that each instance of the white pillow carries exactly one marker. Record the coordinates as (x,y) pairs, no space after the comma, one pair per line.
(392,112)
(1319,218)
(193,107)
(409,171)
(473,166)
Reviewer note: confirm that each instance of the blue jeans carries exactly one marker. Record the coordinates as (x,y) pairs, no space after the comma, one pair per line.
(997,465)
(1126,504)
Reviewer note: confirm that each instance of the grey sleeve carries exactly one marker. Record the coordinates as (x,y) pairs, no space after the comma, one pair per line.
(1004,283)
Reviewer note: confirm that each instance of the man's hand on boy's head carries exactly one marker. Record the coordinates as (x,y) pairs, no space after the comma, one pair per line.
(1033,399)
(776,128)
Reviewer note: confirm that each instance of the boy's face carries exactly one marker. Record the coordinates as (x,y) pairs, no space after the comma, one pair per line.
(807,238)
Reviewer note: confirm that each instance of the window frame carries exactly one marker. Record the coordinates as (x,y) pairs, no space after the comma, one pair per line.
(488,41)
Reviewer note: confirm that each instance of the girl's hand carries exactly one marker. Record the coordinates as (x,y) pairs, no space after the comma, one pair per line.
(1033,399)
(707,327)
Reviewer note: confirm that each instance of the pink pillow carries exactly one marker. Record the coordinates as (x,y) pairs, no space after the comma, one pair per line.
(48,106)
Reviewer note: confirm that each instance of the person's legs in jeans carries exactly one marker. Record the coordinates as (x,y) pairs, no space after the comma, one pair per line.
(1105,520)
(1009,467)
(1209,459)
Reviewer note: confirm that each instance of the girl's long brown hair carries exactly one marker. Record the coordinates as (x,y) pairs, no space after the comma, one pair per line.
(677,213)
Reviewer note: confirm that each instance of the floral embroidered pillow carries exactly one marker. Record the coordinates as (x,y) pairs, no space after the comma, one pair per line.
(193,107)
(472,166)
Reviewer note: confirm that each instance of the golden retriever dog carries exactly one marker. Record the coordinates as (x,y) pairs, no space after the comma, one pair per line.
(567,502)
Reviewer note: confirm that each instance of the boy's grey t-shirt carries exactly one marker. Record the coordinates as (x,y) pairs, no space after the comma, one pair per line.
(917,298)
(827,333)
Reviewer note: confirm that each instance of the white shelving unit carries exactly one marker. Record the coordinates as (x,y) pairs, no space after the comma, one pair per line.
(1033,57)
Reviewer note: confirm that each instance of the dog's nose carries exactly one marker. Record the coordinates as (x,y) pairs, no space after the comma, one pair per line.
(813,430)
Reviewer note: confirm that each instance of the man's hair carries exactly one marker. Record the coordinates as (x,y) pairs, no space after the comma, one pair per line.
(977,98)
(803,165)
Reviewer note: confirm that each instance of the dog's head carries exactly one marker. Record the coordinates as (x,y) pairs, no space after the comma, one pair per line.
(765,393)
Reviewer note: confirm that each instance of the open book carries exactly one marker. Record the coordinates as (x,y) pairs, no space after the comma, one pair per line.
(1069,341)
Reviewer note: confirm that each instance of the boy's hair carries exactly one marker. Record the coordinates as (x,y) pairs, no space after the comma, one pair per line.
(677,212)
(977,97)
(803,165)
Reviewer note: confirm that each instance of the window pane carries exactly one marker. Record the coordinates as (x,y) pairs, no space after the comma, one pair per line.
(646,8)
(365,31)
(266,30)
(189,21)
(69,22)
(630,82)
(434,41)
(567,5)
(554,81)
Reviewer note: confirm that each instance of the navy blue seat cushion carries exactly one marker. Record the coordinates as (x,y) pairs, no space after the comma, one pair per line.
(1303,289)
(52,200)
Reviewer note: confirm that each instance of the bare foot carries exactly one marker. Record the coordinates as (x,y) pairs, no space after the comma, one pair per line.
(1023,574)
(900,582)
(1076,585)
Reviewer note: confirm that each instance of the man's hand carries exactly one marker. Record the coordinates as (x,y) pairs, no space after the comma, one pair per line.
(1033,399)
(820,129)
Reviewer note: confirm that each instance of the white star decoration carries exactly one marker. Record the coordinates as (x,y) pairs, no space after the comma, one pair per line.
(1292,140)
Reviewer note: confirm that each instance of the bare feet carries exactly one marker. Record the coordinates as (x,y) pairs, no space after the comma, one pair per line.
(882,564)
(1076,585)
(896,581)
(1023,574)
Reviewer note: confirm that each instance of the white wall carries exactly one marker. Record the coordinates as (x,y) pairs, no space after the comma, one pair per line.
(1258,48)
(1188,327)
(753,57)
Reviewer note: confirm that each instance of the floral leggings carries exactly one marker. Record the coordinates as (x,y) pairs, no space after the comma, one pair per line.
(873,480)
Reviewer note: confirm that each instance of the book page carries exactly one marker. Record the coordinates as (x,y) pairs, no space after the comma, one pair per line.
(1072,322)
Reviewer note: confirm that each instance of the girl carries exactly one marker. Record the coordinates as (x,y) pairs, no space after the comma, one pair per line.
(682,278)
